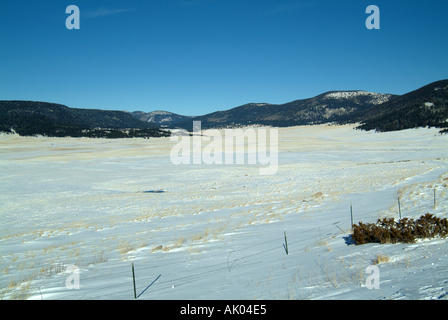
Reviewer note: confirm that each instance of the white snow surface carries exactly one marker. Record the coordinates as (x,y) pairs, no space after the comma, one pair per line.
(218,231)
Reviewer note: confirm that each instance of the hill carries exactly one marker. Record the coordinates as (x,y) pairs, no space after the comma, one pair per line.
(328,107)
(427,106)
(160,117)
(41,118)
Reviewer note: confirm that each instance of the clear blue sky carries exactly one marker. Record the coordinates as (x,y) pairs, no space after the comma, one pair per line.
(194,57)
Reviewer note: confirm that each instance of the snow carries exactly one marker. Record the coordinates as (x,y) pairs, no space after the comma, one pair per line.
(347,94)
(160,112)
(376,98)
(217,232)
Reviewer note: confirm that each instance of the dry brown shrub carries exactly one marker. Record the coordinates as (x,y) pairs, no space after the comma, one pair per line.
(405,230)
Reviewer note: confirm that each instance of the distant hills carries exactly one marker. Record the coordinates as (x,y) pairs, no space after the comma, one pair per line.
(162,118)
(426,106)
(331,106)
(30,118)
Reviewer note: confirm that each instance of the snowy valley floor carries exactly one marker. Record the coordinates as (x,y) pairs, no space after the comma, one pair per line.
(218,231)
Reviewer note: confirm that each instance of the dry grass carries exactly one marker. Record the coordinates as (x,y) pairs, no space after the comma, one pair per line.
(101,257)
(124,247)
(157,249)
(193,250)
(21,293)
(380,258)
(12,284)
(335,273)
(179,242)
(322,242)
(203,235)
(18,287)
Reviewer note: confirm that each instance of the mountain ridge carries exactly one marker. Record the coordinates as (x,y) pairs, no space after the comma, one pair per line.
(331,106)
(160,117)
(426,106)
(56,120)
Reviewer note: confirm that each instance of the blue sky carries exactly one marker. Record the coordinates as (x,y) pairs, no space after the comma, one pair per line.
(194,57)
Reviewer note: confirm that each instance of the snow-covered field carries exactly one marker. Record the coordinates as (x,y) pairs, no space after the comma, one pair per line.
(218,231)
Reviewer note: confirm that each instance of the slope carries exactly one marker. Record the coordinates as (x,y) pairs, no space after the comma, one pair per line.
(160,117)
(427,106)
(328,107)
(34,118)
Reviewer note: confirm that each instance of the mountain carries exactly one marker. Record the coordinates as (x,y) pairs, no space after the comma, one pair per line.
(50,119)
(160,117)
(331,106)
(427,106)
